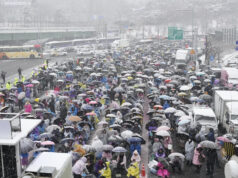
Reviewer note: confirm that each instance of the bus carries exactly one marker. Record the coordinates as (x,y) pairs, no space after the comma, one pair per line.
(21,52)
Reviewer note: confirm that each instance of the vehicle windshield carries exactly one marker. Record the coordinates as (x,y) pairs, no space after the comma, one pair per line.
(234,117)
(200,118)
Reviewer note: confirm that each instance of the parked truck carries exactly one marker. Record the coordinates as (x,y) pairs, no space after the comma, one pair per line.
(225,105)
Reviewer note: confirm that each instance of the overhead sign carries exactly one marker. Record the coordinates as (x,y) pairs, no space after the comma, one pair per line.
(174,33)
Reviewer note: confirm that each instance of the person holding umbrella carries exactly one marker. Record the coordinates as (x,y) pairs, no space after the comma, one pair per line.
(79,167)
(198,158)
(211,157)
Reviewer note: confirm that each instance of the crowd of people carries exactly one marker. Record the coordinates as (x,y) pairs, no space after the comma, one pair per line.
(96,108)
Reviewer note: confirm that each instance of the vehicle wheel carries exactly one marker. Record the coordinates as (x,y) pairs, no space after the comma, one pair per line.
(32,56)
(4,57)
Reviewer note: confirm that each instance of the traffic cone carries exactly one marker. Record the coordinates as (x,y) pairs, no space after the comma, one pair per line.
(143,171)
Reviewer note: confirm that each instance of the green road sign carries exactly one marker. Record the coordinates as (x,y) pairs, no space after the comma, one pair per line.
(174,33)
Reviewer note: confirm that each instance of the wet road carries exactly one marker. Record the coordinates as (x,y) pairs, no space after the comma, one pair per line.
(11,66)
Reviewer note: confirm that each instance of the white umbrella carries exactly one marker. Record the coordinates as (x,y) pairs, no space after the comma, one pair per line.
(126,104)
(119,149)
(126,134)
(172,155)
(51,128)
(111,115)
(169,110)
(179,113)
(103,123)
(97,144)
(21,95)
(184,88)
(35,82)
(163,133)
(183,122)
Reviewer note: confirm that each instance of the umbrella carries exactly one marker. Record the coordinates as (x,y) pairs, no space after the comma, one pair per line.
(107,147)
(21,95)
(45,135)
(97,144)
(26,145)
(115,138)
(158,107)
(119,149)
(169,110)
(88,148)
(63,97)
(163,133)
(208,144)
(53,74)
(48,142)
(126,104)
(134,139)
(75,118)
(180,155)
(1,94)
(182,94)
(179,113)
(223,139)
(91,114)
(93,102)
(166,128)
(118,89)
(51,128)
(35,82)
(205,97)
(103,123)
(29,85)
(194,99)
(197,81)
(126,134)
(3,109)
(111,115)
(164,97)
(66,140)
(115,126)
(41,149)
(183,122)
(184,88)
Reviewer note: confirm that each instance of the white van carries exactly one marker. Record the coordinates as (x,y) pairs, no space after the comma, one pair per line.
(205,117)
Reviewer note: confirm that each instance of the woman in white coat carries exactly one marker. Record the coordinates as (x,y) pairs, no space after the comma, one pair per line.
(189,150)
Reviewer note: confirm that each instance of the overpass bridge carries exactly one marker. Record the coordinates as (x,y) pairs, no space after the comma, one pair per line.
(16,35)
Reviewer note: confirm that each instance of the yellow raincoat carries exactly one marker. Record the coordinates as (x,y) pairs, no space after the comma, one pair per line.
(133,170)
(8,86)
(106,172)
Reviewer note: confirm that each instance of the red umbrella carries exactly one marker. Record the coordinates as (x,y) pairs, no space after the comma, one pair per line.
(167,80)
(93,102)
(91,114)
(29,85)
(37,46)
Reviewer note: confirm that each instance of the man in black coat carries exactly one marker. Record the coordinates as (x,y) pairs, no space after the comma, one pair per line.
(211,157)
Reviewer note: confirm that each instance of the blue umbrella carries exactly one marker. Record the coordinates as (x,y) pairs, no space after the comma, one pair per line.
(134,139)
(164,97)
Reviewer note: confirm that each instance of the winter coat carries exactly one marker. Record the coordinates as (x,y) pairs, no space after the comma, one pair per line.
(211,156)
(28,108)
(133,170)
(196,155)
(106,172)
(79,166)
(189,150)
(162,172)
(136,157)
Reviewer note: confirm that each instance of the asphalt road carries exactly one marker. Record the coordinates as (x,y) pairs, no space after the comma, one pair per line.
(11,66)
